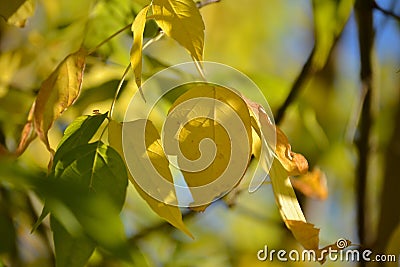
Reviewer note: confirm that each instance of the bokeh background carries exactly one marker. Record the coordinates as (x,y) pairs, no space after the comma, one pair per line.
(270,41)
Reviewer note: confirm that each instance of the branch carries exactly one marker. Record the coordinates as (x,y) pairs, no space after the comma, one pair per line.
(364,17)
(384,11)
(305,74)
(204,3)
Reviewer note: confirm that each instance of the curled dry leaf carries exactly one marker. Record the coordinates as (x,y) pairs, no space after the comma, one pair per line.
(312,184)
(28,133)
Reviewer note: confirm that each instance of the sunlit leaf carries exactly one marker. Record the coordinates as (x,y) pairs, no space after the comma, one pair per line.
(329,20)
(222,117)
(136,50)
(70,250)
(17,12)
(170,213)
(182,21)
(58,92)
(78,133)
(312,184)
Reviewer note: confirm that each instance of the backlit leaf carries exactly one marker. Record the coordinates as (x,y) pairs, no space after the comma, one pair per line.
(136,50)
(58,92)
(17,12)
(78,133)
(312,184)
(170,213)
(182,21)
(219,115)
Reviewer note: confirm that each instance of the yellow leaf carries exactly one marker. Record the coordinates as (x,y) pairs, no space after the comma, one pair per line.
(58,92)
(20,12)
(212,129)
(170,213)
(312,184)
(182,21)
(136,50)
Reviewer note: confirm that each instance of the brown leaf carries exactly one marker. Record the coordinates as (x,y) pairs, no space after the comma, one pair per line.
(28,133)
(312,184)
(57,93)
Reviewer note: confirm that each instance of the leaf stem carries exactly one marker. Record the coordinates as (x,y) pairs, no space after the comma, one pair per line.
(118,90)
(109,38)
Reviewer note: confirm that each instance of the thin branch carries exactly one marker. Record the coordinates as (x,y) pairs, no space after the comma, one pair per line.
(109,38)
(305,74)
(364,17)
(201,4)
(384,11)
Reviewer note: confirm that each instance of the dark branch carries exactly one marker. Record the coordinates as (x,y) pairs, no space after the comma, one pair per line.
(384,11)
(364,17)
(204,3)
(306,72)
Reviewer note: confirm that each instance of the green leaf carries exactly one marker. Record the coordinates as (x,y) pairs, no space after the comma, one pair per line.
(78,133)
(170,213)
(330,18)
(58,92)
(182,21)
(17,12)
(97,178)
(136,50)
(70,250)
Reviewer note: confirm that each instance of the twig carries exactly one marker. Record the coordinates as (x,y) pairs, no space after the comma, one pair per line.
(109,38)
(201,4)
(384,11)
(364,17)
(305,74)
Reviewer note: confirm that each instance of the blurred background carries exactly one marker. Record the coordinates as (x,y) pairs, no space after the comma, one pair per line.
(345,123)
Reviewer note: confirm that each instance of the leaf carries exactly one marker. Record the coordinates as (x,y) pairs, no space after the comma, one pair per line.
(17,12)
(78,133)
(57,93)
(170,213)
(208,129)
(312,184)
(330,18)
(97,173)
(136,50)
(70,250)
(28,133)
(182,21)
